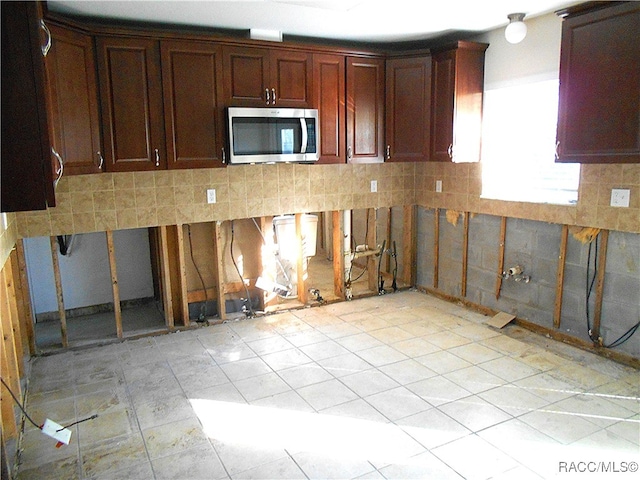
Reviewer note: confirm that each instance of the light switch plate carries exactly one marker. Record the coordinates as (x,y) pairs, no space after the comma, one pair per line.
(620,197)
(438,186)
(211,195)
(374,186)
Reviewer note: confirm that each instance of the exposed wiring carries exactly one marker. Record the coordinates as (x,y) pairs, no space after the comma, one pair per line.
(277,257)
(15,399)
(203,308)
(233,259)
(589,289)
(65,242)
(353,256)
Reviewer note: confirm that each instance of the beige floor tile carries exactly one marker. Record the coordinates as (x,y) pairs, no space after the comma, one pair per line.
(320,351)
(443,362)
(318,466)
(562,427)
(438,390)
(369,382)
(424,465)
(475,413)
(513,400)
(383,355)
(407,371)
(175,437)
(239,457)
(281,360)
(344,365)
(261,386)
(162,409)
(326,394)
(398,403)
(475,353)
(474,379)
(359,341)
(198,462)
(433,428)
(113,455)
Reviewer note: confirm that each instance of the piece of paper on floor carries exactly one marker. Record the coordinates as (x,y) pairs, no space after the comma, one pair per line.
(500,320)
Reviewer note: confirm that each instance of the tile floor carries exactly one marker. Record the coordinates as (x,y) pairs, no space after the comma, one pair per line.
(399,386)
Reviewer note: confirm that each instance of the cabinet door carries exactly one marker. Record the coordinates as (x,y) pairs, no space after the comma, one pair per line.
(408,109)
(329,99)
(365,110)
(193,114)
(27,180)
(443,90)
(456,91)
(290,79)
(599,109)
(131,100)
(246,72)
(73,101)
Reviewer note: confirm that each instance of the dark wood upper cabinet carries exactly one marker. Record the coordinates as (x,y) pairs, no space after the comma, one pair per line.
(262,77)
(329,99)
(194,118)
(599,108)
(457,81)
(365,110)
(408,109)
(73,101)
(131,100)
(27,177)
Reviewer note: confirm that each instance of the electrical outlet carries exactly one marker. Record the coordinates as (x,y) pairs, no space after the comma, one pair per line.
(211,195)
(620,197)
(438,186)
(374,186)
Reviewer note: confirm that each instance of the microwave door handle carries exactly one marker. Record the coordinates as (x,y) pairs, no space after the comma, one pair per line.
(303,124)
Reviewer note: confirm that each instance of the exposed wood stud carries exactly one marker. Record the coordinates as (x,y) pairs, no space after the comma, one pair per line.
(465,255)
(8,339)
(182,275)
(557,310)
(117,309)
(218,270)
(602,264)
(167,299)
(436,246)
(338,257)
(9,282)
(302,291)
(372,266)
(58,282)
(409,240)
(503,237)
(24,305)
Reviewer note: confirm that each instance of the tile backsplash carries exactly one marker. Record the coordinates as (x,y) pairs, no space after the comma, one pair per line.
(113,201)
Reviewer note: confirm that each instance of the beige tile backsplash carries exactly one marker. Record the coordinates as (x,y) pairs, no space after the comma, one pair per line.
(113,201)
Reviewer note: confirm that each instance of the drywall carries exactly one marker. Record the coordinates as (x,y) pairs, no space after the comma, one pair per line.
(85,273)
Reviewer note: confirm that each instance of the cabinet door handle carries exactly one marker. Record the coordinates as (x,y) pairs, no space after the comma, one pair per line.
(349,153)
(224,156)
(557,151)
(101,158)
(450,150)
(60,169)
(273,96)
(266,95)
(45,48)
(157,158)
(388,152)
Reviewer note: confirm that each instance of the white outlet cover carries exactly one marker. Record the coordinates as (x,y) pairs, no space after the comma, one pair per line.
(620,197)
(438,186)
(374,186)
(211,195)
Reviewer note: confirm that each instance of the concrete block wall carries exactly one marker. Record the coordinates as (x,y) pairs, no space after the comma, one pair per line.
(535,246)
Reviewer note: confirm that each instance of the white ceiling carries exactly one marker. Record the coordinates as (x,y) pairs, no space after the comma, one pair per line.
(354,20)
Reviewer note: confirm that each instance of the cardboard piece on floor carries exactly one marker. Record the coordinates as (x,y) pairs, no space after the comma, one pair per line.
(500,320)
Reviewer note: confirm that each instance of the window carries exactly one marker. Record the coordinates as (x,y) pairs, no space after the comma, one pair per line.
(518,146)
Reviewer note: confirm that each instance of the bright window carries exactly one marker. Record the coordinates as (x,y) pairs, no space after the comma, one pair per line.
(518,146)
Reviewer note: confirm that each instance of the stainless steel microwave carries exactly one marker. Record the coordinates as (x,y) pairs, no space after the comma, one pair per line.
(270,135)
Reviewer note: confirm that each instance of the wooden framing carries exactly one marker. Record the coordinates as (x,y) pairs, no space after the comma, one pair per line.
(9,282)
(557,309)
(301,287)
(503,237)
(602,264)
(165,274)
(465,255)
(436,246)
(24,302)
(370,236)
(338,254)
(182,275)
(117,309)
(217,252)
(409,245)
(58,282)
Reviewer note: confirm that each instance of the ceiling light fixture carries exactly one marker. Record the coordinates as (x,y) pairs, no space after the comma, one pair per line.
(516,30)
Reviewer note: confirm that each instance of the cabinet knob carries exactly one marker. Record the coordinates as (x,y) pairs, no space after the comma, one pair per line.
(267,97)
(60,169)
(100,160)
(349,153)
(224,156)
(45,48)
(557,151)
(388,154)
(450,150)
(273,96)
(157,158)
